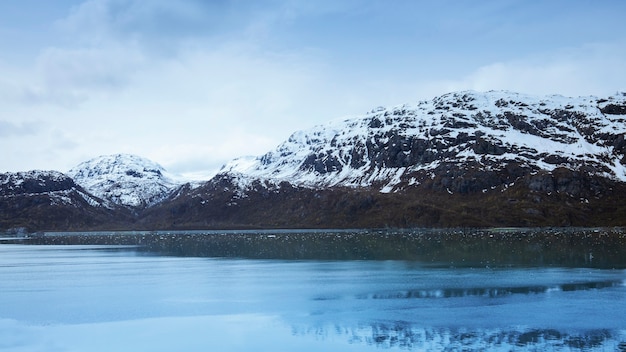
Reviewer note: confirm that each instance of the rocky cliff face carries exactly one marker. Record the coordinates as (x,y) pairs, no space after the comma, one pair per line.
(46,200)
(35,182)
(458,134)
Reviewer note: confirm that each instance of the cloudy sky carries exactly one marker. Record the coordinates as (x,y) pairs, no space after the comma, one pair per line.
(191,84)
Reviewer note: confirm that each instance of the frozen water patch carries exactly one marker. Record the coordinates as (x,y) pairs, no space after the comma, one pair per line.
(199,333)
(268,333)
(109,298)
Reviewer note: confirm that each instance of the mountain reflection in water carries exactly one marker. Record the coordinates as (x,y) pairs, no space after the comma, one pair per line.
(528,289)
(415,338)
(492,291)
(568,247)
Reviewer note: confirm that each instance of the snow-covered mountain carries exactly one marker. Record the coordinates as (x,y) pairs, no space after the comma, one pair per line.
(398,147)
(462,159)
(46,200)
(125,179)
(58,187)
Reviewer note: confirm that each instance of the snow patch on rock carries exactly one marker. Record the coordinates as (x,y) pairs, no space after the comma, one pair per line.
(492,129)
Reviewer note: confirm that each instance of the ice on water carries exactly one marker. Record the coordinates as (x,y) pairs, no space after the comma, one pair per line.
(103,298)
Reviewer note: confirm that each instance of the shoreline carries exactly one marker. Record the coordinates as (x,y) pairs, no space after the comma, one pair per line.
(569,247)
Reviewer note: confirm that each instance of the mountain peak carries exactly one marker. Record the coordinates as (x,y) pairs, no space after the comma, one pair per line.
(388,147)
(125,179)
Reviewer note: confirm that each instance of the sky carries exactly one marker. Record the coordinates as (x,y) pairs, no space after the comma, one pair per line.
(192,84)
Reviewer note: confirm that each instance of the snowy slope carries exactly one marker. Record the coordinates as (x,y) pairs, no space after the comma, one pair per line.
(59,188)
(387,146)
(125,179)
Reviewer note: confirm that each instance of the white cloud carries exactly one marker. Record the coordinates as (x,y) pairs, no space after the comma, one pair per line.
(215,105)
(105,68)
(193,84)
(69,77)
(598,69)
(134,20)
(194,112)
(11,129)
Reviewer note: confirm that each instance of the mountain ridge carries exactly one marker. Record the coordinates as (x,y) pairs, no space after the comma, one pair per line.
(493,128)
(39,199)
(461,159)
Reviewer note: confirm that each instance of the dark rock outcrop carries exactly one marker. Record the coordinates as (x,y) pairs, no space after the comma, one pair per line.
(50,200)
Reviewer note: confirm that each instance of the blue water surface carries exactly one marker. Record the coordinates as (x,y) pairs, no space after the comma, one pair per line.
(103,298)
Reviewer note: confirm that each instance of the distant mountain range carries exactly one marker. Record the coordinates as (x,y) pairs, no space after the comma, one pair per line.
(464,159)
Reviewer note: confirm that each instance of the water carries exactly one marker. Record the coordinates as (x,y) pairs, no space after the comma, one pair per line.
(105,297)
